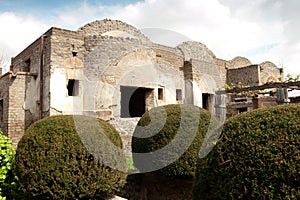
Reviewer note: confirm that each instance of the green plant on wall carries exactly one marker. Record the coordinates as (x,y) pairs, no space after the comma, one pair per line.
(290,78)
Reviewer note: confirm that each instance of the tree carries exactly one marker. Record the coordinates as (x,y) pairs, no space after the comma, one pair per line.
(3,59)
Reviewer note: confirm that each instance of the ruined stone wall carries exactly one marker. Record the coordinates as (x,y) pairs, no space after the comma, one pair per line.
(264,102)
(222,66)
(169,55)
(102,26)
(66,63)
(269,73)
(248,76)
(4,96)
(63,44)
(16,112)
(32,52)
(207,71)
(29,61)
(196,51)
(19,106)
(108,52)
(238,62)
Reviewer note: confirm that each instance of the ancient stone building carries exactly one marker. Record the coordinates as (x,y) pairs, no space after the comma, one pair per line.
(109,69)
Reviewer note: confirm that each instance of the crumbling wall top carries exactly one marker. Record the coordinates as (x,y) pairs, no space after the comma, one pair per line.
(109,27)
(239,62)
(197,51)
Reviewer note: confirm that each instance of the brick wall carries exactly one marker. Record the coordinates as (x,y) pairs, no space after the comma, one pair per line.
(16,113)
(4,96)
(264,102)
(248,76)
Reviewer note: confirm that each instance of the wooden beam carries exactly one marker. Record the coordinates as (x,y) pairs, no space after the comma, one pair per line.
(292,85)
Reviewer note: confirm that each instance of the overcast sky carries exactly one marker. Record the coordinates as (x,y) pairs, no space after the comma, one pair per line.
(260,30)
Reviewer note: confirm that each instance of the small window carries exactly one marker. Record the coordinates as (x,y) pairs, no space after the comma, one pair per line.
(160,94)
(27,65)
(73,87)
(74,53)
(178,94)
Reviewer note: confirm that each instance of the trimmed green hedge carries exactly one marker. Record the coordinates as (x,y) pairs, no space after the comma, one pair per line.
(158,133)
(257,157)
(62,157)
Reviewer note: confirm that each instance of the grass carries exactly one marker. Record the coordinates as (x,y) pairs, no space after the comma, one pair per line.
(130,166)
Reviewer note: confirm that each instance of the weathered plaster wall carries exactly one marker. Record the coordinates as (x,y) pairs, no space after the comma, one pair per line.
(202,74)
(135,69)
(67,53)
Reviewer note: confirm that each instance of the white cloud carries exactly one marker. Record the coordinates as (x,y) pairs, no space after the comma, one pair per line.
(17,32)
(260,29)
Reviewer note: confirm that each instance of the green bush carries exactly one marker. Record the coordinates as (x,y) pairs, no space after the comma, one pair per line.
(66,157)
(7,153)
(256,157)
(184,129)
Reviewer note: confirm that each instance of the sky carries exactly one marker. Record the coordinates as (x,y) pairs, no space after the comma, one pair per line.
(260,30)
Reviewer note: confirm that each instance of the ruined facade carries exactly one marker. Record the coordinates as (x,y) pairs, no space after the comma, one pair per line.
(109,69)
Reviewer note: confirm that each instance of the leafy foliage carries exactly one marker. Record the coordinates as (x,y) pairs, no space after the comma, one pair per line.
(157,133)
(64,157)
(7,153)
(257,157)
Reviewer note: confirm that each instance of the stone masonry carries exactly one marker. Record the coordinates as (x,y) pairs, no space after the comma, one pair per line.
(109,69)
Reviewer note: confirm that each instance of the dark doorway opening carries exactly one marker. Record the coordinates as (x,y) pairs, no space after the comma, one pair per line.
(134,101)
(73,87)
(240,110)
(205,101)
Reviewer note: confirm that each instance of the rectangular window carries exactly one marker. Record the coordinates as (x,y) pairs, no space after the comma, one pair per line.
(160,94)
(27,65)
(178,95)
(1,111)
(73,87)
(74,53)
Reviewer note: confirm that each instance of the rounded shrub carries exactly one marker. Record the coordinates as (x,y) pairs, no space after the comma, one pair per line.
(70,157)
(168,139)
(256,157)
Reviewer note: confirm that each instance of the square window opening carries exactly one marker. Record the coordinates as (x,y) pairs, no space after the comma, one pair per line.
(160,94)
(74,53)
